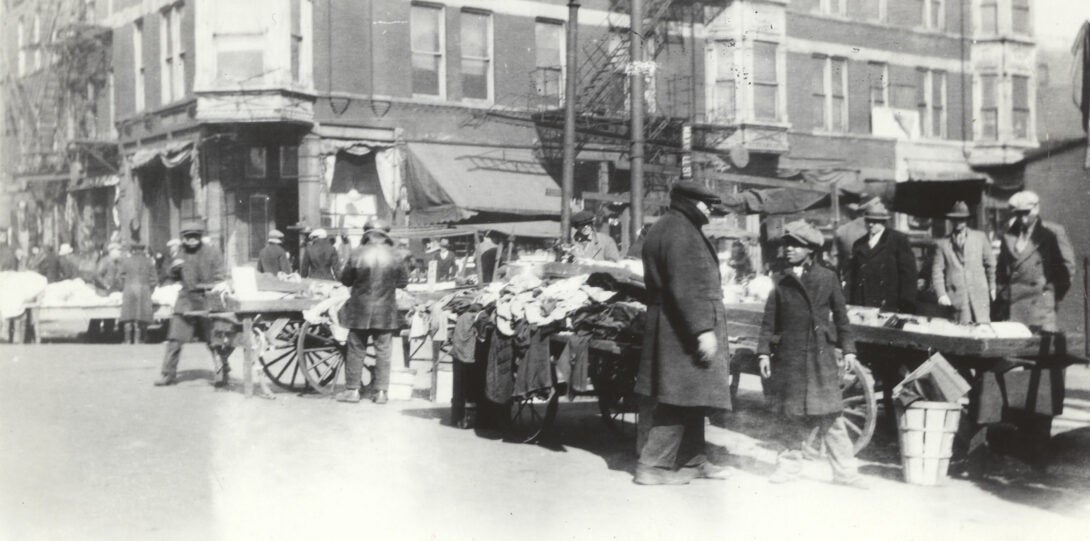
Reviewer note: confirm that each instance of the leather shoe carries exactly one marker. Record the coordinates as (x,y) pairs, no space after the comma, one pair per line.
(380,397)
(348,395)
(711,471)
(165,381)
(650,475)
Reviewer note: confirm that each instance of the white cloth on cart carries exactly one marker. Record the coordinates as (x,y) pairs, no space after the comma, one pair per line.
(18,288)
(325,312)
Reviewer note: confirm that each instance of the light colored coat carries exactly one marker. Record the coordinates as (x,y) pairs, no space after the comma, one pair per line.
(1033,280)
(969,279)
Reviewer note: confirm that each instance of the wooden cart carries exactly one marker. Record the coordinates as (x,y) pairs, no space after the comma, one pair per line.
(38,314)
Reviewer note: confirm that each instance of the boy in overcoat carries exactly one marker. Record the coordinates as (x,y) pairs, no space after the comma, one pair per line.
(138,278)
(963,270)
(805,319)
(684,364)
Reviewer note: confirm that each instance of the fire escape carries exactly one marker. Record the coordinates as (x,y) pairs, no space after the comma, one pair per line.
(602,99)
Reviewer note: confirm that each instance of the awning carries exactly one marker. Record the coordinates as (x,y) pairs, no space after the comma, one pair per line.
(170,155)
(948,175)
(90,183)
(539,229)
(450,183)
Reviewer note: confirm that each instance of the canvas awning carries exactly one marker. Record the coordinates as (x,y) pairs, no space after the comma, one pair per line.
(170,155)
(90,183)
(450,183)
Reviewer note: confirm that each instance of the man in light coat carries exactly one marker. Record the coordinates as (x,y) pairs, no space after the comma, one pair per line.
(963,270)
(684,364)
(1036,265)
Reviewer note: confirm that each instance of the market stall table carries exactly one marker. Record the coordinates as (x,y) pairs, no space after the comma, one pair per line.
(37,314)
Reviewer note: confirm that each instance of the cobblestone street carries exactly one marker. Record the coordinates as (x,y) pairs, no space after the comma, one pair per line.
(90,449)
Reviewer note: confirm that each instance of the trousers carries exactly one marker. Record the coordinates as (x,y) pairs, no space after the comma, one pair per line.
(357,352)
(218,335)
(812,433)
(675,439)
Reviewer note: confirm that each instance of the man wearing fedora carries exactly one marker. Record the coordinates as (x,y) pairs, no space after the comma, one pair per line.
(851,231)
(273,258)
(374,273)
(684,365)
(805,318)
(882,273)
(963,269)
(588,244)
(199,268)
(1036,265)
(445,262)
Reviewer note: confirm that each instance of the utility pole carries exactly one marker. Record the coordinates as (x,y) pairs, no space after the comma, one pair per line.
(636,98)
(567,185)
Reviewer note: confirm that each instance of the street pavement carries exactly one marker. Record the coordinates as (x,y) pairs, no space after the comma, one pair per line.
(89,449)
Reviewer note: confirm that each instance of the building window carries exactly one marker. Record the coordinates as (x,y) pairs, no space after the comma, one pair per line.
(302,22)
(834,7)
(112,104)
(1020,22)
(723,87)
(935,14)
(915,14)
(549,60)
(878,79)
(289,161)
(868,10)
(429,71)
(172,61)
(1020,106)
(938,105)
(989,17)
(20,37)
(829,96)
(138,64)
(989,108)
(36,42)
(476,33)
(766,86)
(256,163)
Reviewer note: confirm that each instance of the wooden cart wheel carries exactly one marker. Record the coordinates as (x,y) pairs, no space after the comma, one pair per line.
(321,356)
(277,351)
(860,405)
(528,418)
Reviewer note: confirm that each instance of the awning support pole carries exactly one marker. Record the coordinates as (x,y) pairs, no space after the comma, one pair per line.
(636,98)
(567,185)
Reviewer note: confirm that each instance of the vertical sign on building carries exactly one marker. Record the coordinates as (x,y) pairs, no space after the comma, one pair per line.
(687,151)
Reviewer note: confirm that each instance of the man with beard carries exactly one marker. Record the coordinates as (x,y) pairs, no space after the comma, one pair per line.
(588,244)
(320,260)
(374,272)
(963,270)
(199,269)
(684,364)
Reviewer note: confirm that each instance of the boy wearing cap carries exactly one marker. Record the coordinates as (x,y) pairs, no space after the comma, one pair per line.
(200,269)
(590,244)
(963,269)
(684,364)
(1036,265)
(273,258)
(805,318)
(138,278)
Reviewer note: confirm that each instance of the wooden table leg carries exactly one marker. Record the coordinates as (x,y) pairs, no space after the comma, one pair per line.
(36,327)
(248,355)
(436,352)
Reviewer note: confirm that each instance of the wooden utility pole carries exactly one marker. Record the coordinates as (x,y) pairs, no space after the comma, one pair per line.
(567,185)
(636,98)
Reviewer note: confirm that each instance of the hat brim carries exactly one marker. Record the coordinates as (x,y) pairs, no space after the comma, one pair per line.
(800,241)
(192,232)
(877,218)
(957,215)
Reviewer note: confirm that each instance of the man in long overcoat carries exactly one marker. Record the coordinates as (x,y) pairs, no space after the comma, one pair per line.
(963,270)
(374,273)
(805,319)
(1036,265)
(138,278)
(200,269)
(882,272)
(684,364)
(320,260)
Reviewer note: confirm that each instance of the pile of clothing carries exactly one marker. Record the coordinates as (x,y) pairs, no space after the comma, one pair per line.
(76,292)
(17,288)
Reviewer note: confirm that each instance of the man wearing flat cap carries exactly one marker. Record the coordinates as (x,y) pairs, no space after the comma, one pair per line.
(199,268)
(273,258)
(684,365)
(321,260)
(1036,265)
(805,319)
(882,273)
(963,269)
(588,244)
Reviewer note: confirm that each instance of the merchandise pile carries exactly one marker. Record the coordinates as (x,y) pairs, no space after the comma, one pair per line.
(17,288)
(872,317)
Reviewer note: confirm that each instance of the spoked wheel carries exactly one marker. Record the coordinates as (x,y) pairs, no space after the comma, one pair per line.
(620,413)
(860,405)
(321,356)
(277,343)
(528,417)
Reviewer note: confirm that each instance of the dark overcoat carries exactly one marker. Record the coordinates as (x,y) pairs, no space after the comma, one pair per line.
(139,278)
(108,274)
(320,261)
(374,273)
(272,259)
(805,319)
(685,299)
(884,276)
(1033,280)
(198,273)
(968,278)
